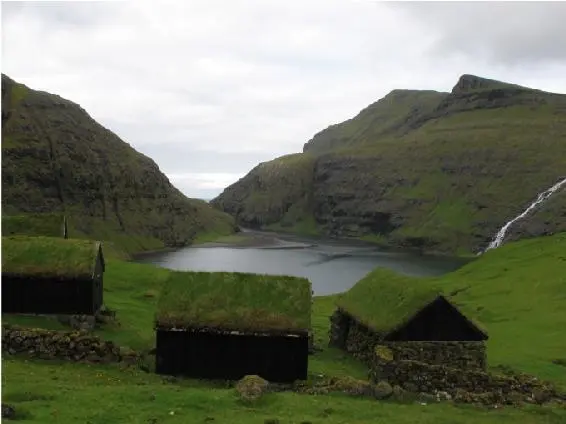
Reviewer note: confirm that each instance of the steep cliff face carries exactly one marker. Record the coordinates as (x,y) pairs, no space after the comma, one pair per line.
(444,178)
(56,158)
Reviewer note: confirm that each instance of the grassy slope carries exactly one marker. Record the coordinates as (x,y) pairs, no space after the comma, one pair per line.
(387,116)
(443,178)
(56,158)
(518,292)
(235,301)
(524,329)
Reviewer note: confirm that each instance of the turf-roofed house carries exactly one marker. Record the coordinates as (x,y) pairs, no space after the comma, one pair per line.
(392,317)
(51,275)
(225,325)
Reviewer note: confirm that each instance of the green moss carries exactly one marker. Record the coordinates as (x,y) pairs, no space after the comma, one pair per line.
(384,353)
(48,256)
(235,301)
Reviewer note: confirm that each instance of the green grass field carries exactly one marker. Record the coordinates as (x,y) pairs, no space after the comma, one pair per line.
(235,301)
(517,291)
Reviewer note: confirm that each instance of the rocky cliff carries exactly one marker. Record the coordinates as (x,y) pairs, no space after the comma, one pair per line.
(437,171)
(56,158)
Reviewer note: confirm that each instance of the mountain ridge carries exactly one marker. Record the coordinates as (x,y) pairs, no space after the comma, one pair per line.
(440,172)
(57,158)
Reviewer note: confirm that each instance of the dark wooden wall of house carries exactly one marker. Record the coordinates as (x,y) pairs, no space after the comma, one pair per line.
(48,296)
(231,357)
(439,321)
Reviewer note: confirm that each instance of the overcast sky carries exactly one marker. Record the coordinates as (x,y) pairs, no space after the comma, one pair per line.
(208,89)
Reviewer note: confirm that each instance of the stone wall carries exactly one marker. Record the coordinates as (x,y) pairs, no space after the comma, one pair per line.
(339,325)
(357,339)
(66,345)
(455,354)
(361,341)
(466,385)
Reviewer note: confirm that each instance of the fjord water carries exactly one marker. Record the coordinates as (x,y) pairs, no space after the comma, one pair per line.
(331,266)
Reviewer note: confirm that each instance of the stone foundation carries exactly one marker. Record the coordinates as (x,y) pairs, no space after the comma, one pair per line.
(468,355)
(65,345)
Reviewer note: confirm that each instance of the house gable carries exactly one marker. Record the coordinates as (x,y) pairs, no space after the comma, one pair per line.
(437,321)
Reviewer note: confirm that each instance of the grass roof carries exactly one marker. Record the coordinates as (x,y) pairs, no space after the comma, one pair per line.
(383,299)
(48,256)
(235,301)
(37,224)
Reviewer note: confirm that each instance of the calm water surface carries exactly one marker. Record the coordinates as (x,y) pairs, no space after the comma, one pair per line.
(331,266)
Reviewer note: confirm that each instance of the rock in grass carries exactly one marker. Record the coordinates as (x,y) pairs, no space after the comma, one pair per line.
(382,390)
(353,386)
(8,411)
(251,388)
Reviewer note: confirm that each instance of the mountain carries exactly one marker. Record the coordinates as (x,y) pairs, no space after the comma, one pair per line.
(56,158)
(436,171)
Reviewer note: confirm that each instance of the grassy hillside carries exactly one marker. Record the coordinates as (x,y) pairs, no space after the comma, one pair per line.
(517,290)
(275,194)
(393,114)
(56,158)
(441,176)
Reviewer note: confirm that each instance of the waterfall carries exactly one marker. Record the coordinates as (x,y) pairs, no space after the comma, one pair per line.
(541,198)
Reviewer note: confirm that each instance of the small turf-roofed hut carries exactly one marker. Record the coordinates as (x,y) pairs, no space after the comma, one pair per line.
(50,275)
(36,224)
(224,325)
(412,319)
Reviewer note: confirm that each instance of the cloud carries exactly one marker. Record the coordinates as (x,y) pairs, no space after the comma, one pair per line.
(204,185)
(215,87)
(504,33)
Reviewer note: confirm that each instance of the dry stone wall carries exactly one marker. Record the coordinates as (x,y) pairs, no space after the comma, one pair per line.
(339,325)
(65,345)
(468,355)
(463,385)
